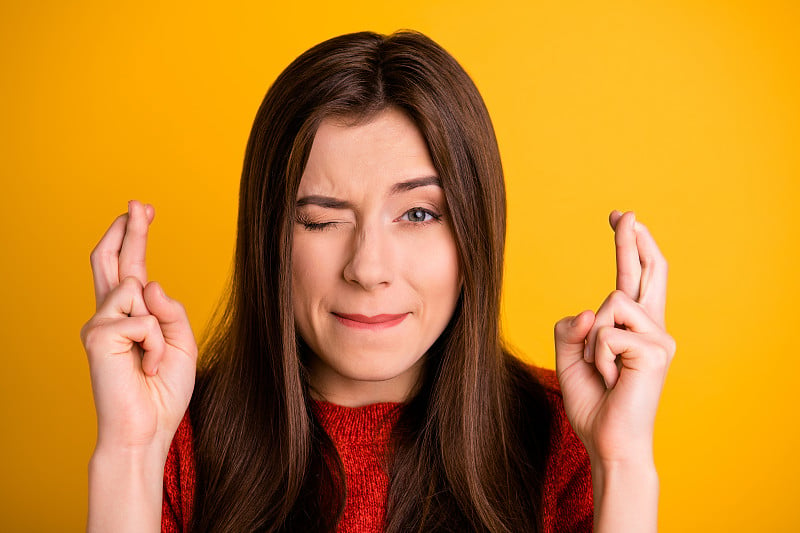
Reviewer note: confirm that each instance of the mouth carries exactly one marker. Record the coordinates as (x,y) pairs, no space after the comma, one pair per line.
(376,322)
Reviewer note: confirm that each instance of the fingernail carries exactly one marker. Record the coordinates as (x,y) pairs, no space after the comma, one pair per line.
(574,321)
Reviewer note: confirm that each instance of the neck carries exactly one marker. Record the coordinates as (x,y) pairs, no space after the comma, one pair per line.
(358,394)
(330,386)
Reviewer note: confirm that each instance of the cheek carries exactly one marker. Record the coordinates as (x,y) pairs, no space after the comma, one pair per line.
(436,272)
(315,270)
(306,280)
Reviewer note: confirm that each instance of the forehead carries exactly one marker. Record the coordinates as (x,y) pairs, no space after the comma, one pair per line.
(376,153)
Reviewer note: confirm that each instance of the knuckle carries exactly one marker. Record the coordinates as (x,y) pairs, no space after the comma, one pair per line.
(99,255)
(671,347)
(604,334)
(655,258)
(130,283)
(91,334)
(85,330)
(663,354)
(617,297)
(151,322)
(659,359)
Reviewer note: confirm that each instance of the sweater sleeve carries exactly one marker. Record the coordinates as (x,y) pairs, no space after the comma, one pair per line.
(568,502)
(179,481)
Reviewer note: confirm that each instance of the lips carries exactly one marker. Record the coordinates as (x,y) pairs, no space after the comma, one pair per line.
(376,322)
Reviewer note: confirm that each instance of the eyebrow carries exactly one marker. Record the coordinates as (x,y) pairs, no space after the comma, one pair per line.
(324,201)
(398,188)
(405,186)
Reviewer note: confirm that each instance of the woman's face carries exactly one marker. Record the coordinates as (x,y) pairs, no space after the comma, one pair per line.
(374,261)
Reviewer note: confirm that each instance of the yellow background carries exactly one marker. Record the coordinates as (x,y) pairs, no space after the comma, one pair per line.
(685,111)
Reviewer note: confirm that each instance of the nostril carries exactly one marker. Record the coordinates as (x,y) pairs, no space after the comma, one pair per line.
(369,264)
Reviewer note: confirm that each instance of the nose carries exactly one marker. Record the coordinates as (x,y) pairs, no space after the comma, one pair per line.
(370,261)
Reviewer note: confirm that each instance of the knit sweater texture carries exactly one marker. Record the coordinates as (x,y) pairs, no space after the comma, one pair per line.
(361,434)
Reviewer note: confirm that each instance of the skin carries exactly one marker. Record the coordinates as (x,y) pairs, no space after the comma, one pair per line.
(142,353)
(382,250)
(612,408)
(142,359)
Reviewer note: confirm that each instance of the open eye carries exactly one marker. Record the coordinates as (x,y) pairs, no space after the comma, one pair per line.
(420,214)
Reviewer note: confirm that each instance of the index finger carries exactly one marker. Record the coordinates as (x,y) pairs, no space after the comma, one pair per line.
(134,244)
(105,259)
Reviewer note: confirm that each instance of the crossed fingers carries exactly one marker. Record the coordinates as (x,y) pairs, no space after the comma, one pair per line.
(121,253)
(637,304)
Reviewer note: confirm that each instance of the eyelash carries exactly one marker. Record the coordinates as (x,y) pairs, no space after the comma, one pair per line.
(434,216)
(322,226)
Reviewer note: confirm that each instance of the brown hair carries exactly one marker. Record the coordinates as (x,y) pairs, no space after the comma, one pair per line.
(471,445)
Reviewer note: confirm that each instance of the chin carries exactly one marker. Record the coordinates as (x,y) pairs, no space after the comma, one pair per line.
(365,377)
(370,368)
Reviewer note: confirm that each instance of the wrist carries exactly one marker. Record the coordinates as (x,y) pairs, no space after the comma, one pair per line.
(636,453)
(134,457)
(134,469)
(634,462)
(125,489)
(630,473)
(625,495)
(109,444)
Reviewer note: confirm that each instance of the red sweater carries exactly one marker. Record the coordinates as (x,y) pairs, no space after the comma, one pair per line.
(359,432)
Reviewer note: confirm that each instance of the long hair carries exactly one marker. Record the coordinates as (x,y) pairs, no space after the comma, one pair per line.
(469,448)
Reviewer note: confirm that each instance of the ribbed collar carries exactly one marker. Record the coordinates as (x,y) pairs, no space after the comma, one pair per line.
(368,424)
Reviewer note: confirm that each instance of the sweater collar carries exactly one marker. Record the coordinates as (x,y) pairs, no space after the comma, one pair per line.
(367,424)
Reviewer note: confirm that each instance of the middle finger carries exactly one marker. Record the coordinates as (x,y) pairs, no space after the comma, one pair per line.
(629,268)
(132,253)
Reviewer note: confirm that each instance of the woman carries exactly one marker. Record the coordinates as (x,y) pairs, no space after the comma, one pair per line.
(356,379)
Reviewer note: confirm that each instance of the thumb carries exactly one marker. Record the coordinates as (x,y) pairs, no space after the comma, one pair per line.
(171,317)
(570,337)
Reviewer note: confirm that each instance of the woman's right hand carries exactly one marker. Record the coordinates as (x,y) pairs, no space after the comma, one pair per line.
(141,349)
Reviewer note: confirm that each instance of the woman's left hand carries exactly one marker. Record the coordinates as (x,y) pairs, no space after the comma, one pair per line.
(612,364)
